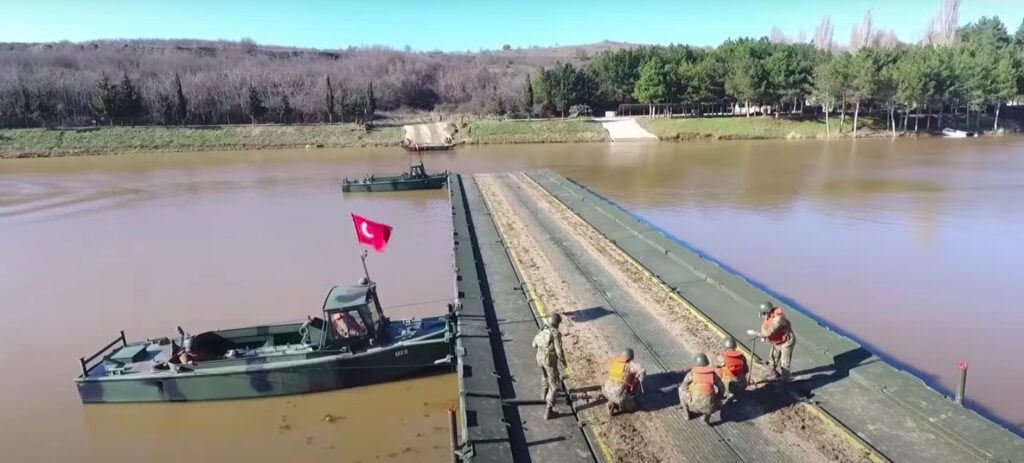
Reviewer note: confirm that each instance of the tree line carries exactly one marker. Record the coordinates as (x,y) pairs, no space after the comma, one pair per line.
(971,69)
(981,70)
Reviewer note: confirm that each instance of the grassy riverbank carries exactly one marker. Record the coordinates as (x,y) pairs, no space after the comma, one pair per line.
(756,128)
(743,128)
(541,131)
(109,140)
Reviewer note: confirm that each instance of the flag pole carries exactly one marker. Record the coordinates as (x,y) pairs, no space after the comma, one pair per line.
(362,255)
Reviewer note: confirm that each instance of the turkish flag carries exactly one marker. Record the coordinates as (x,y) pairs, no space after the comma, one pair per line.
(371,233)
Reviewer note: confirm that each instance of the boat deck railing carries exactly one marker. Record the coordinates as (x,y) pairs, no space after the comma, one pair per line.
(84,361)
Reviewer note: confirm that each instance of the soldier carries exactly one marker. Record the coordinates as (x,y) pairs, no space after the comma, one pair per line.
(624,377)
(776,330)
(701,390)
(548,343)
(732,368)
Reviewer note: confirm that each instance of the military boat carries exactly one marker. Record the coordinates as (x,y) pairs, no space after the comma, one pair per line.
(354,344)
(416,179)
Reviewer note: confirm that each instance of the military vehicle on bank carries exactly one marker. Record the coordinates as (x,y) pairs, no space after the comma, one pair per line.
(354,344)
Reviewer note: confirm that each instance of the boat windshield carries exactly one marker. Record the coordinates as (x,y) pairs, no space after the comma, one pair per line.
(348,324)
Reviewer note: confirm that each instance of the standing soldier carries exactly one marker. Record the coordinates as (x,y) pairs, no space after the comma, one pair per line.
(732,368)
(624,377)
(701,390)
(776,330)
(548,343)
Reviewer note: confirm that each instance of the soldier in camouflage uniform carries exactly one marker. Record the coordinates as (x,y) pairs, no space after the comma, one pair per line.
(548,343)
(776,330)
(624,378)
(701,391)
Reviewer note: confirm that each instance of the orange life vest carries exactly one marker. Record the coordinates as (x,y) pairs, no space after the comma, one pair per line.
(703,381)
(735,365)
(779,337)
(617,372)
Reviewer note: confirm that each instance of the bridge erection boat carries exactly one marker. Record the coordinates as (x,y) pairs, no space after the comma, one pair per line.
(353,344)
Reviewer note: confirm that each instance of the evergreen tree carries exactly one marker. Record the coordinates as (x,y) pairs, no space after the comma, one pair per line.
(652,86)
(1005,85)
(863,81)
(329,100)
(1018,38)
(286,109)
(129,101)
(828,84)
(105,99)
(528,98)
(255,106)
(180,103)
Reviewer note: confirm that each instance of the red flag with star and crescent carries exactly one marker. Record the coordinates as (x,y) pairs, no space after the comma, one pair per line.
(370,233)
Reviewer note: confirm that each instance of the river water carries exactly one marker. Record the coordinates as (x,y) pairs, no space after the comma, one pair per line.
(911,246)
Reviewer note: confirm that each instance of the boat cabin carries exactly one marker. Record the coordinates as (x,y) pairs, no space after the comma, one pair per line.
(416,170)
(353,317)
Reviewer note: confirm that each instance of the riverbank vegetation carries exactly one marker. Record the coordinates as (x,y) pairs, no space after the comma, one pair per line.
(538,131)
(41,142)
(955,73)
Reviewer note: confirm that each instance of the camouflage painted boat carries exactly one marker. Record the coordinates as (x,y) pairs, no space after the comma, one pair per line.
(416,179)
(354,344)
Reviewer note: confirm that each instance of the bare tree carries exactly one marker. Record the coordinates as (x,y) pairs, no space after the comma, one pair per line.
(823,34)
(777,36)
(943,26)
(862,34)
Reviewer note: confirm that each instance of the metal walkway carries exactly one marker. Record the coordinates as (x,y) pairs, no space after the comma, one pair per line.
(895,414)
(885,411)
(501,412)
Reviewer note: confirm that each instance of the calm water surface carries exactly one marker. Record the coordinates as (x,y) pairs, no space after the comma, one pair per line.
(911,246)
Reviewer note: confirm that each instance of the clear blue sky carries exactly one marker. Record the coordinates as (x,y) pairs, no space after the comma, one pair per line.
(453,25)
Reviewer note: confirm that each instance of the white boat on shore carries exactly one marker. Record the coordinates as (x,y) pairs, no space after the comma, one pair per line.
(953,133)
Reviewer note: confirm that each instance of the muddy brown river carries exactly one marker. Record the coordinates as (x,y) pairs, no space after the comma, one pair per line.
(912,247)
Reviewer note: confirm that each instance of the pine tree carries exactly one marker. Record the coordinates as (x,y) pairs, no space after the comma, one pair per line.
(528,100)
(181,103)
(256,107)
(105,99)
(329,100)
(286,110)
(129,101)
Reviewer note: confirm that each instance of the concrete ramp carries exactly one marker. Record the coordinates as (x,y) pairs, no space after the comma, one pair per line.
(433,133)
(625,129)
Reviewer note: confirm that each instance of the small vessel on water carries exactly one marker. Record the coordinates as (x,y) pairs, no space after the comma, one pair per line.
(416,179)
(354,344)
(954,133)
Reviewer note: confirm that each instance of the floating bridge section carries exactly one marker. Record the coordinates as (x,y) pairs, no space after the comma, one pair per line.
(888,413)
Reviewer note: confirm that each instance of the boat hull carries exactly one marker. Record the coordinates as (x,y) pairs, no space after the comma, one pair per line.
(432,182)
(314,372)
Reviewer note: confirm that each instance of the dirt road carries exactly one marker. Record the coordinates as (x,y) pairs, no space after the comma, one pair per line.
(609,303)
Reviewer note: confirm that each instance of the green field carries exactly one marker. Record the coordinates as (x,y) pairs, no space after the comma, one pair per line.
(726,128)
(520,131)
(104,140)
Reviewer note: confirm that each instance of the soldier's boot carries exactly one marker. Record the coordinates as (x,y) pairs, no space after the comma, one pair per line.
(785,375)
(686,411)
(549,413)
(612,408)
(707,418)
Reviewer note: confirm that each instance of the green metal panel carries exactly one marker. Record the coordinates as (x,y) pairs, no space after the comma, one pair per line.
(895,412)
